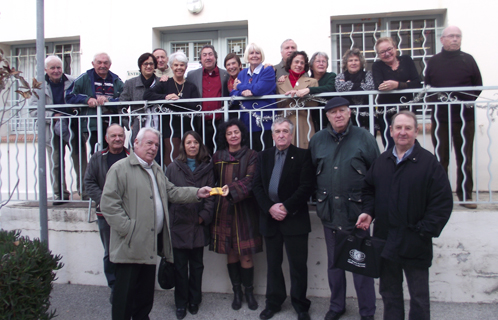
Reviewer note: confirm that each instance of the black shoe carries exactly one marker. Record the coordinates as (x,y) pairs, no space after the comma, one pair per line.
(237,297)
(251,301)
(234,273)
(303,316)
(193,308)
(181,313)
(267,313)
(367,317)
(332,315)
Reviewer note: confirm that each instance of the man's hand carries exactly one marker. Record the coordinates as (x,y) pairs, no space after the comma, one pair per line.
(101,100)
(200,220)
(164,78)
(92,102)
(282,79)
(364,221)
(278,211)
(203,192)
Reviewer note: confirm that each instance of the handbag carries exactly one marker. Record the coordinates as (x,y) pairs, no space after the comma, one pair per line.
(166,274)
(358,252)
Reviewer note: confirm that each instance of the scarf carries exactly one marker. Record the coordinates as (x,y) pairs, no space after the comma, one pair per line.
(294,77)
(147,83)
(356,79)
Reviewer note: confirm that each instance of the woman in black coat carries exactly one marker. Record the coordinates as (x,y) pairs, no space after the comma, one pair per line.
(189,222)
(392,72)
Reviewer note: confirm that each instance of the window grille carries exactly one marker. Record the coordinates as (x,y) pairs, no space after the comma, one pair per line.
(23,58)
(237,46)
(415,37)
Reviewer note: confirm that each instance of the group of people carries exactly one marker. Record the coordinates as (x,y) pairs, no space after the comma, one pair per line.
(143,212)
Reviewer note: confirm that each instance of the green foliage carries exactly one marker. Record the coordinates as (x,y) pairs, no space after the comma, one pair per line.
(26,274)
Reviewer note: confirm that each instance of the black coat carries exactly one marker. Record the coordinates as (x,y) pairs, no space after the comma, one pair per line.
(411,202)
(294,189)
(186,232)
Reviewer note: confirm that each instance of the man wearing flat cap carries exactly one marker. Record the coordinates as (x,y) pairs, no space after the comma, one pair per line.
(342,154)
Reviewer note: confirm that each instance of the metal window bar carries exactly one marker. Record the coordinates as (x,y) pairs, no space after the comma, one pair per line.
(13,153)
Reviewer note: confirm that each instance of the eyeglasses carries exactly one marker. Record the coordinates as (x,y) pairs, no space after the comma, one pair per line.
(383,52)
(148,64)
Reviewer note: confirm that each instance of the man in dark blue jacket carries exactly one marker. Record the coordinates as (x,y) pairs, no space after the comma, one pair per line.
(408,194)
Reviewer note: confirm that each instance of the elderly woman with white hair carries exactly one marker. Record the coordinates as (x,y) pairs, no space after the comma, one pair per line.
(256,81)
(176,88)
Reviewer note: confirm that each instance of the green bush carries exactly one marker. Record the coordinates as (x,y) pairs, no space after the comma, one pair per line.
(26,275)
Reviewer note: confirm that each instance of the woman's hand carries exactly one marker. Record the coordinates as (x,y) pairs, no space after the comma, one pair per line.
(164,78)
(302,92)
(389,85)
(172,96)
(292,93)
(247,93)
(235,83)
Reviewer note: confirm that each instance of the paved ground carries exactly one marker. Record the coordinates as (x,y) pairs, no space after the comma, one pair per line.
(78,302)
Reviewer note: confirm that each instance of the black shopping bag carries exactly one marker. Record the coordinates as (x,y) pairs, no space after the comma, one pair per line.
(166,274)
(358,252)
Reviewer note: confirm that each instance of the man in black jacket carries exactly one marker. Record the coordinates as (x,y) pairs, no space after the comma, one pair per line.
(94,181)
(455,68)
(282,186)
(408,194)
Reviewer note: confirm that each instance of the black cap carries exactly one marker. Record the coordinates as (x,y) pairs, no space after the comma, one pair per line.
(336,102)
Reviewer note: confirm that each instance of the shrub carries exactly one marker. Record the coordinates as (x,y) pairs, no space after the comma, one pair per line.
(26,274)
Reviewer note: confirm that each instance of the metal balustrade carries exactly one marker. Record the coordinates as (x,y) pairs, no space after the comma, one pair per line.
(18,150)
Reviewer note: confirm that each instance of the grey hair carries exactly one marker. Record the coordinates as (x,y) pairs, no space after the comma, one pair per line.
(102,53)
(50,59)
(141,133)
(281,120)
(408,114)
(315,55)
(282,45)
(178,56)
(353,52)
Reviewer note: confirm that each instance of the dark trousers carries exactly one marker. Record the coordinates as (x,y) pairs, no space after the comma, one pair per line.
(297,254)
(391,290)
(442,150)
(133,291)
(188,276)
(363,285)
(257,136)
(105,237)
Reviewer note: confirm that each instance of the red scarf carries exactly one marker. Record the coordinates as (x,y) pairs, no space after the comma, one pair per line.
(293,77)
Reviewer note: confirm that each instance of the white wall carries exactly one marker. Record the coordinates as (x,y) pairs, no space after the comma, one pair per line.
(464,265)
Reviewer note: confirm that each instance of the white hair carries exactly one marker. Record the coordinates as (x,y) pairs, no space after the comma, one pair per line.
(178,56)
(101,53)
(141,133)
(51,59)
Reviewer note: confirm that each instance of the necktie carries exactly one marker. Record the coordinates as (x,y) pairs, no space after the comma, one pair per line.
(275,176)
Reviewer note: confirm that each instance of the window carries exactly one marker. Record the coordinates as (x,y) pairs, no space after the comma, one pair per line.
(225,40)
(23,58)
(416,36)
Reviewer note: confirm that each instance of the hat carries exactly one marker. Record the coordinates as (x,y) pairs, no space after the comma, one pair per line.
(336,102)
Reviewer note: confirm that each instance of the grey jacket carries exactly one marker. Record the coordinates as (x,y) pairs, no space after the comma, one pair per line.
(95,174)
(134,91)
(341,165)
(128,206)
(196,78)
(68,79)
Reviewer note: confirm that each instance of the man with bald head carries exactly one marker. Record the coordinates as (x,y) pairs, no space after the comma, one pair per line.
(95,87)
(455,68)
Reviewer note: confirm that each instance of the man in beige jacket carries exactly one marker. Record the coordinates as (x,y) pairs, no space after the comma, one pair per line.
(135,204)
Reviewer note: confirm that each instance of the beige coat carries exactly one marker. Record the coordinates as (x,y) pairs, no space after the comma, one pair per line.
(303,123)
(128,206)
